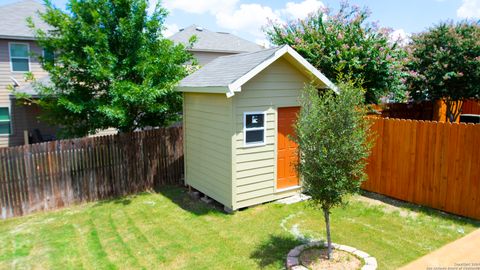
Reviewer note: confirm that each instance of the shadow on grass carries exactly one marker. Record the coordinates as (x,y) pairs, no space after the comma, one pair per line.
(274,251)
(119,200)
(179,196)
(420,208)
(176,194)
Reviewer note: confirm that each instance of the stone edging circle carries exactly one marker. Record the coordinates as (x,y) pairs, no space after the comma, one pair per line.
(293,261)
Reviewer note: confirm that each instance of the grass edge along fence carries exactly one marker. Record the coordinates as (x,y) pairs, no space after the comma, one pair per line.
(56,174)
(428,163)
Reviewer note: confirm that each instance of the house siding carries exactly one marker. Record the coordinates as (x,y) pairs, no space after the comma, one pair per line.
(279,85)
(21,117)
(208,145)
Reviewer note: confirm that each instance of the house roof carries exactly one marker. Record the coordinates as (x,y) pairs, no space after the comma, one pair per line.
(209,41)
(13,19)
(227,74)
(29,88)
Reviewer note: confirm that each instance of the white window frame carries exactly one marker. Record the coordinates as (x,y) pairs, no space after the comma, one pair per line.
(16,57)
(245,129)
(10,120)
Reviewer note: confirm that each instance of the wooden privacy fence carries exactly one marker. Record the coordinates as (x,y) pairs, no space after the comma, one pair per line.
(428,163)
(419,111)
(60,173)
(471,107)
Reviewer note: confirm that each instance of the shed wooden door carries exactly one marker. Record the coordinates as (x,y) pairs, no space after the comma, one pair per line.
(286,148)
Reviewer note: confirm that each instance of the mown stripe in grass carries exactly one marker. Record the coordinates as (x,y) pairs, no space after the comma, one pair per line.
(390,233)
(96,253)
(367,235)
(60,245)
(154,224)
(190,235)
(118,251)
(144,250)
(15,250)
(158,224)
(6,247)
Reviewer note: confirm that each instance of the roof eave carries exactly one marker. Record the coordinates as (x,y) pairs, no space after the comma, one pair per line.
(203,89)
(14,97)
(237,84)
(17,37)
(215,51)
(314,71)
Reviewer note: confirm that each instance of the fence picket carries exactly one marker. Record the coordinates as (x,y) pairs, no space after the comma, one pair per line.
(428,163)
(56,174)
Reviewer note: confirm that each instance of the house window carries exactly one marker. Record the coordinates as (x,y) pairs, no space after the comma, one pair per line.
(4,121)
(48,56)
(254,128)
(19,57)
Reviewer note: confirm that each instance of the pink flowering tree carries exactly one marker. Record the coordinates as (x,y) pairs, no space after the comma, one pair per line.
(345,43)
(444,63)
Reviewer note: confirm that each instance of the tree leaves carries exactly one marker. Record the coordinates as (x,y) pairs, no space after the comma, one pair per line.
(345,42)
(444,63)
(331,132)
(113,67)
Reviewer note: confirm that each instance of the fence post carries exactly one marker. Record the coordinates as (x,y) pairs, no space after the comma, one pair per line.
(51,175)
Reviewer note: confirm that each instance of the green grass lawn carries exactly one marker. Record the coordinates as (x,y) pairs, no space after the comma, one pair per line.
(167,230)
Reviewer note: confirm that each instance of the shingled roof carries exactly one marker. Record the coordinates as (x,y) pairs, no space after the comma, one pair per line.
(224,70)
(227,74)
(13,19)
(209,41)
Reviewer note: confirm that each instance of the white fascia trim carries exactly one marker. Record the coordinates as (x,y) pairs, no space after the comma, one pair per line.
(231,91)
(236,86)
(312,69)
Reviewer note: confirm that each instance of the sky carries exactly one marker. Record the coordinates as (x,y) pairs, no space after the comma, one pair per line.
(246,17)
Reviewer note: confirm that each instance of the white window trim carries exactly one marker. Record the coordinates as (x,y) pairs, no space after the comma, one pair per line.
(10,120)
(245,129)
(16,57)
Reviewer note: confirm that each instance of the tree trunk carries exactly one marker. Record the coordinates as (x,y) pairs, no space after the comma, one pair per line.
(326,214)
(453,110)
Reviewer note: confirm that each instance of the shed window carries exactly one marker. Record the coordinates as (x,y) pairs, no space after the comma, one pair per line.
(254,128)
(4,121)
(19,57)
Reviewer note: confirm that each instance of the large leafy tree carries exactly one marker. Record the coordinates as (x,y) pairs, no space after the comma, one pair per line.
(444,63)
(346,43)
(112,67)
(333,144)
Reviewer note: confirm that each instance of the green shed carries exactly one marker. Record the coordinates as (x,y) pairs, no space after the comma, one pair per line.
(237,115)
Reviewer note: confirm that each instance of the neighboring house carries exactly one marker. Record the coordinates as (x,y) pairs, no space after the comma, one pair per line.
(210,45)
(17,57)
(238,115)
(17,45)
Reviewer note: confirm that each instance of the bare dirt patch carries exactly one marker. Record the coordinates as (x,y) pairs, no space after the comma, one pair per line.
(316,259)
(388,205)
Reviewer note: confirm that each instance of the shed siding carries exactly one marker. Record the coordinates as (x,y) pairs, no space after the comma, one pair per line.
(21,117)
(208,145)
(279,85)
